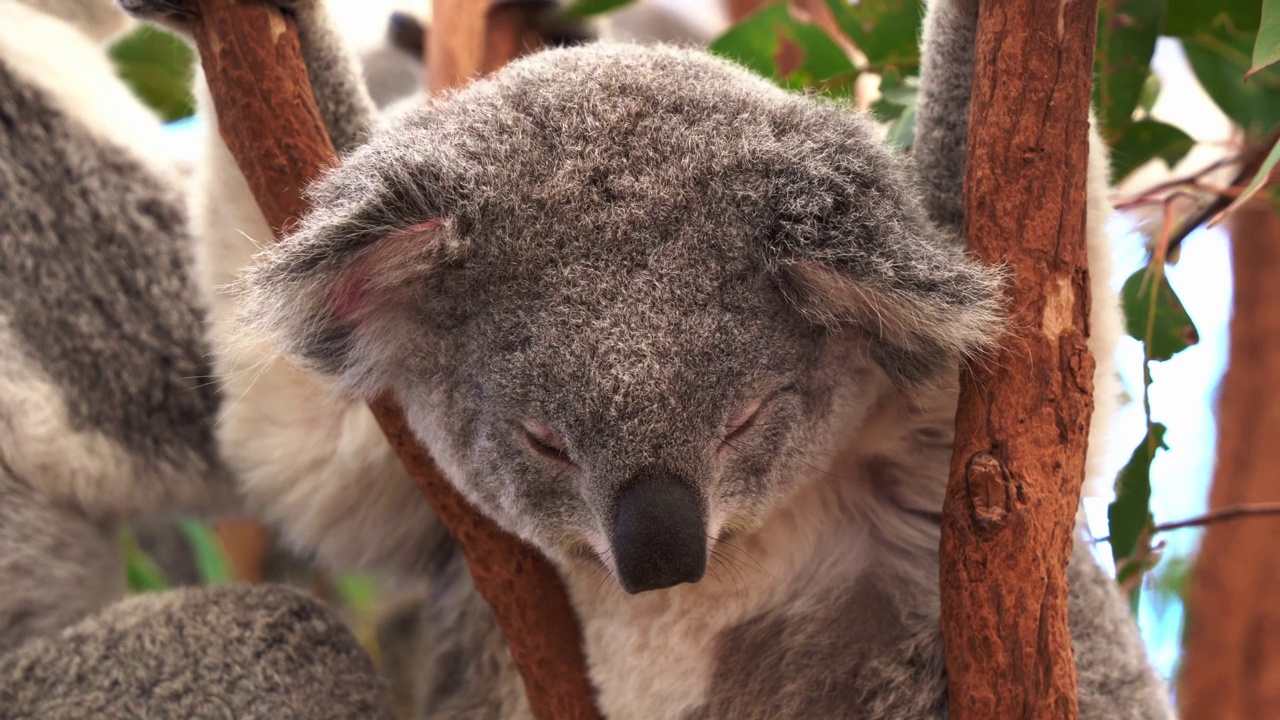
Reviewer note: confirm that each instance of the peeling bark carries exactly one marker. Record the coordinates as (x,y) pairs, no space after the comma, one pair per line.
(1231,668)
(269,120)
(1023,419)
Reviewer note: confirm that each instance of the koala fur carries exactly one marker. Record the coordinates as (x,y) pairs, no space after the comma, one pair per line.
(106,405)
(241,652)
(590,270)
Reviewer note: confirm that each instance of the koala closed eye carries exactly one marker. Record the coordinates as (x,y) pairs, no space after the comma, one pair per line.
(545,442)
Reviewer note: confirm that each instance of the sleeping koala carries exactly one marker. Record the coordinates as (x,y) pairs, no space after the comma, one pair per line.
(694,337)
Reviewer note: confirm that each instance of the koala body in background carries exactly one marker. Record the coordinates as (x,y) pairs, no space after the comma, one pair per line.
(106,408)
(107,411)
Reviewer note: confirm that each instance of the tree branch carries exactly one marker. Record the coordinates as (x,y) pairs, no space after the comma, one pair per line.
(1023,418)
(269,120)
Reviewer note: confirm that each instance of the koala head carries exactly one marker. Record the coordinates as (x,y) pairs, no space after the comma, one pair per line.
(627,296)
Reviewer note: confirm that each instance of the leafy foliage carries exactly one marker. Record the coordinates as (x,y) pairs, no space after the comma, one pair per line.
(158,67)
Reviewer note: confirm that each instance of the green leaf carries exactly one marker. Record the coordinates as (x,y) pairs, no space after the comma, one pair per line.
(1146,139)
(754,42)
(1150,92)
(1127,33)
(210,558)
(897,106)
(1266,48)
(587,8)
(823,58)
(1255,185)
(1220,61)
(1158,320)
(886,31)
(142,574)
(1129,516)
(1194,17)
(158,67)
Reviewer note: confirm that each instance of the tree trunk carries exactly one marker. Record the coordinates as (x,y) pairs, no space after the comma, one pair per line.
(1023,418)
(267,116)
(1231,669)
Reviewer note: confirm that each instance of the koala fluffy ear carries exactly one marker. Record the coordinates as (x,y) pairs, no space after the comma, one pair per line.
(918,317)
(337,293)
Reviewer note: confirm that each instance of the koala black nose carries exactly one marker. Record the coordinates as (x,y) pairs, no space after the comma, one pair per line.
(658,535)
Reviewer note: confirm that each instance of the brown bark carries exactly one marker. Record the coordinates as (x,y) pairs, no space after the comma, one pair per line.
(269,120)
(1231,668)
(246,544)
(1023,418)
(455,54)
(510,32)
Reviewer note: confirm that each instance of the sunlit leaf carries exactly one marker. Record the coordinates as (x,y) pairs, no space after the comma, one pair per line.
(1127,33)
(210,557)
(1266,48)
(1160,321)
(158,67)
(587,8)
(1144,140)
(886,31)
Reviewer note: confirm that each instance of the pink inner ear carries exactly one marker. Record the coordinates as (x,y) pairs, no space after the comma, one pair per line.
(356,281)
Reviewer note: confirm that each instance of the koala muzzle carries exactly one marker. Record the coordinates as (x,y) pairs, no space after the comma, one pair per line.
(658,534)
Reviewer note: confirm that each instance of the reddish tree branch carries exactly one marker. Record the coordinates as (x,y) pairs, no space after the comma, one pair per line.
(269,120)
(1023,418)
(1231,668)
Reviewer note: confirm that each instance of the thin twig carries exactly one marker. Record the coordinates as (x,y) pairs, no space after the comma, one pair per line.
(1230,512)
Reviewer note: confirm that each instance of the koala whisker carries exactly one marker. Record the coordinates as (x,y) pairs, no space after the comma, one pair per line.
(755,564)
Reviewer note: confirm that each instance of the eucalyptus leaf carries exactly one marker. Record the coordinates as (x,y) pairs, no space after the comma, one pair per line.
(1220,61)
(1158,320)
(754,42)
(1187,18)
(886,31)
(1127,34)
(142,574)
(1144,140)
(210,557)
(1266,48)
(158,67)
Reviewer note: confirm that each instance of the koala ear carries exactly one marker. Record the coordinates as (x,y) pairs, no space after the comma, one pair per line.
(340,291)
(919,315)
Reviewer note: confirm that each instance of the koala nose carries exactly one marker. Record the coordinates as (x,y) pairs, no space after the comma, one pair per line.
(658,536)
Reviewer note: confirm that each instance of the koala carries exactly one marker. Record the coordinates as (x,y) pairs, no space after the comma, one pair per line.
(106,401)
(695,338)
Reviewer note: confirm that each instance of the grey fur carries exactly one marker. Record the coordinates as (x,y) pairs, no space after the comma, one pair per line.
(107,406)
(227,652)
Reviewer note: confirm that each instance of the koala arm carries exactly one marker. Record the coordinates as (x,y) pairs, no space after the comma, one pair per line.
(219,652)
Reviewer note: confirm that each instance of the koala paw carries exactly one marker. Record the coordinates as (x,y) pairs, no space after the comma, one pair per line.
(179,14)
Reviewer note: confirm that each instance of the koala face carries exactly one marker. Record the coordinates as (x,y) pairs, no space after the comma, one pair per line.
(628,297)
